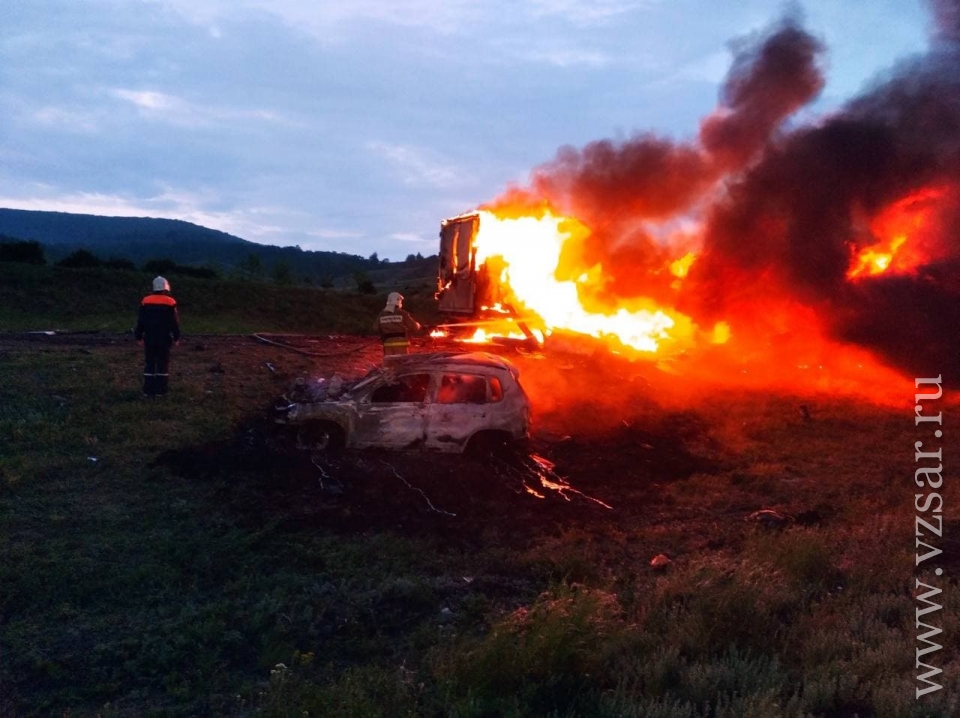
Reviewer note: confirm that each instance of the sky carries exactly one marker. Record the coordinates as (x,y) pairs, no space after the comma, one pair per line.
(357,126)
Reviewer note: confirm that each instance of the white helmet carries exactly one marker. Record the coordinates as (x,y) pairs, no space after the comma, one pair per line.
(394,299)
(161,285)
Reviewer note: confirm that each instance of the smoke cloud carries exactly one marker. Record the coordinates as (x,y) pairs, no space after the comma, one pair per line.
(780,210)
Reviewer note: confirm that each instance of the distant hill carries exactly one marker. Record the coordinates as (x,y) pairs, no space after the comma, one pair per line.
(143,238)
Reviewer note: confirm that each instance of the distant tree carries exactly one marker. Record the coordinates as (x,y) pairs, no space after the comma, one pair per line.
(419,256)
(410,258)
(251,266)
(119,263)
(198,272)
(364,283)
(282,274)
(374,259)
(159,266)
(326,281)
(80,259)
(15,250)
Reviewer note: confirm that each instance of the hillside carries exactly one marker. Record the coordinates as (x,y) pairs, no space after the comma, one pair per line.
(37,298)
(142,238)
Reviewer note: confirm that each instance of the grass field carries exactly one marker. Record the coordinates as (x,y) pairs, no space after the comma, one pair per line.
(173,557)
(49,298)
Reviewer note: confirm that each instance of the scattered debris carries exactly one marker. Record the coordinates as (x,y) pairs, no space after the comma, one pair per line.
(769,518)
(660,562)
(271,367)
(94,459)
(414,488)
(327,483)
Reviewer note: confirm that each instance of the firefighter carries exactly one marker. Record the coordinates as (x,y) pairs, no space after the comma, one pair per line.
(395,325)
(158,328)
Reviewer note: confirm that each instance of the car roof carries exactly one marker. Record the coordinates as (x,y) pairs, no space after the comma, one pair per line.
(445,359)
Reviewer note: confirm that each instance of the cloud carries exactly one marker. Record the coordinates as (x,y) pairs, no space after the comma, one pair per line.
(568,57)
(175,110)
(442,16)
(417,166)
(708,69)
(589,12)
(410,237)
(445,16)
(334,234)
(67,119)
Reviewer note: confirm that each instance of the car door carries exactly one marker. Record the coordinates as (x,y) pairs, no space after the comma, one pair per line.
(460,409)
(393,415)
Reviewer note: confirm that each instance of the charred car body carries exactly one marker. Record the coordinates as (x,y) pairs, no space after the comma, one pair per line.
(442,402)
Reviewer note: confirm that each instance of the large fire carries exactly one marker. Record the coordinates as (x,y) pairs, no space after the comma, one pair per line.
(777,339)
(529,249)
(803,254)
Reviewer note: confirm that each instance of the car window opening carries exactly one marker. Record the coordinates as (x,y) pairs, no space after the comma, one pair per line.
(462,389)
(409,388)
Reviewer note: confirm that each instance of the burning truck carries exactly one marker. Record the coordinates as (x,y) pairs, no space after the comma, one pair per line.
(764,248)
(469,295)
(498,282)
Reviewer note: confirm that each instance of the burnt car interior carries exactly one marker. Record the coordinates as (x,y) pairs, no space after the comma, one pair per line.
(407,388)
(462,389)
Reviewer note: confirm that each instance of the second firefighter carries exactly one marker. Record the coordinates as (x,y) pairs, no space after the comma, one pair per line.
(395,326)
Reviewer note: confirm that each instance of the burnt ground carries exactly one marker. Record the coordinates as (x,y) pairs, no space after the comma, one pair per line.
(615,463)
(460,499)
(611,471)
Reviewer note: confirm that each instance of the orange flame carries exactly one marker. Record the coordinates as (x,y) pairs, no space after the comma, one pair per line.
(681,267)
(530,250)
(906,219)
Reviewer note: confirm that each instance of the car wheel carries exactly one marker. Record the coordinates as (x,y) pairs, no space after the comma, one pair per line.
(320,436)
(487,444)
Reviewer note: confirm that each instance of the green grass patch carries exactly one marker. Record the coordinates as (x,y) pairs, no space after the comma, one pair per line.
(36,298)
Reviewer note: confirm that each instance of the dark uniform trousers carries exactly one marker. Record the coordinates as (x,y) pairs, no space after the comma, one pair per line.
(156,368)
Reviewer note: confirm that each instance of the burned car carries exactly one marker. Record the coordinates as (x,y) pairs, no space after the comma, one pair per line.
(442,402)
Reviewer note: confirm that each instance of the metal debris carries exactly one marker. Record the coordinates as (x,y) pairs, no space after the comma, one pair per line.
(769,518)
(331,485)
(419,491)
(660,562)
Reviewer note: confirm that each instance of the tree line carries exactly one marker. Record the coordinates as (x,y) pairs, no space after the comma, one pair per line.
(32,252)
